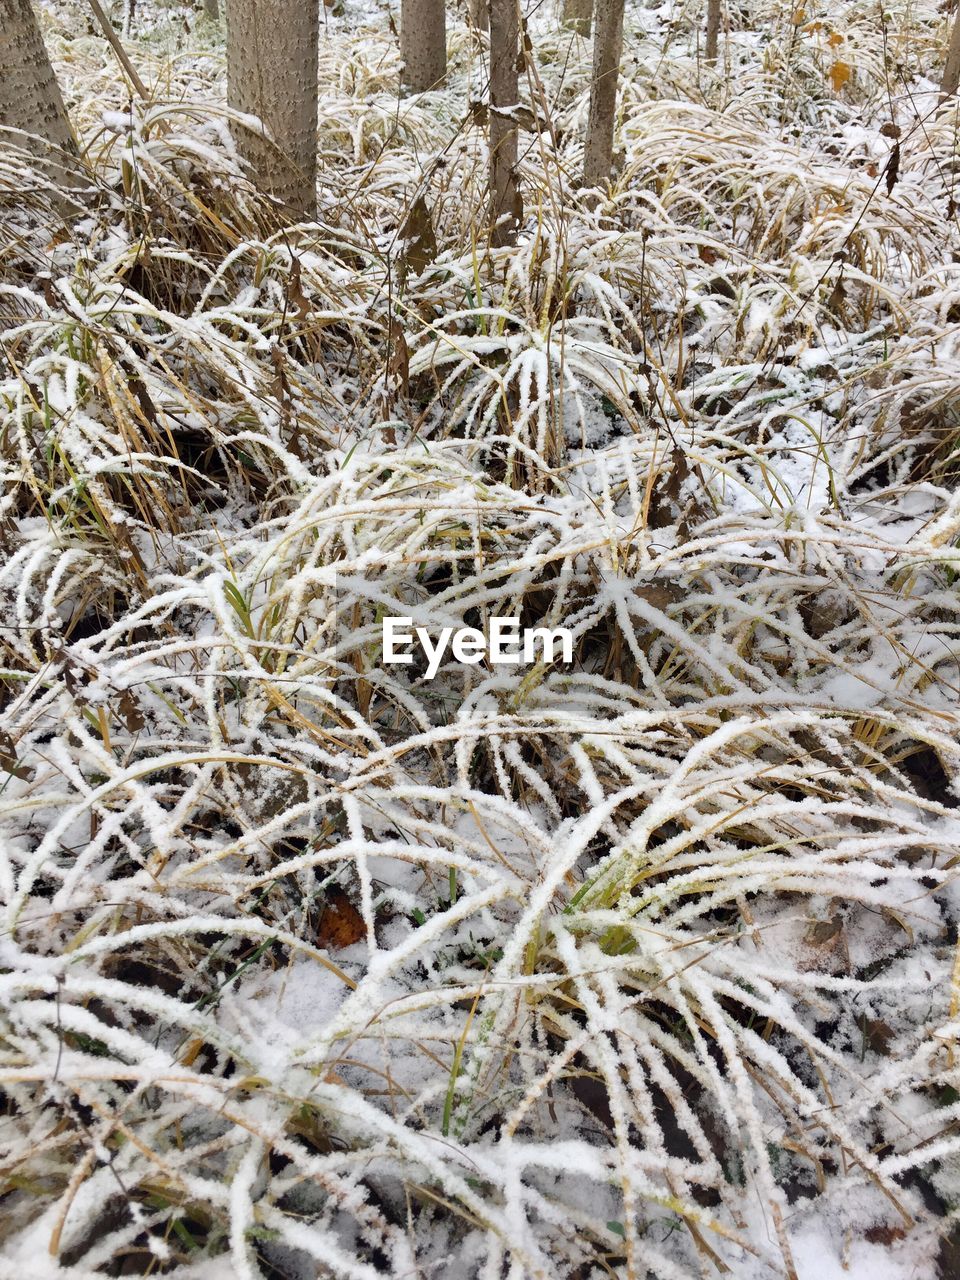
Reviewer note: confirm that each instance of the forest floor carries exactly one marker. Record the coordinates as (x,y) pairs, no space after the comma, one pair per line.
(644,965)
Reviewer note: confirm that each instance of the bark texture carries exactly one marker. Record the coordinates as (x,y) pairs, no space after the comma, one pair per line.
(607,42)
(272,74)
(29,94)
(505,203)
(951,70)
(423,44)
(713,30)
(578,14)
(479,16)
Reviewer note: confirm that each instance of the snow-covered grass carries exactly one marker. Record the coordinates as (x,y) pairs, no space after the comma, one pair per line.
(643,966)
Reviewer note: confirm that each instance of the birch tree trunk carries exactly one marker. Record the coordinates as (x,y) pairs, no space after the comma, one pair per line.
(506,208)
(423,44)
(212,9)
(713,30)
(578,14)
(29,94)
(607,42)
(951,70)
(272,74)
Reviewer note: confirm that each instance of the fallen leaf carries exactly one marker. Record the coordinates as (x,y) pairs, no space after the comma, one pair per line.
(660,595)
(8,758)
(130,712)
(823,931)
(826,949)
(882,1234)
(877,1035)
(341,924)
(677,474)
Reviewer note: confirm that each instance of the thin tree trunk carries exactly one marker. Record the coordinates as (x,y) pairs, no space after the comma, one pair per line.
(607,42)
(578,14)
(713,30)
(479,17)
(506,207)
(29,94)
(272,74)
(423,44)
(951,70)
(212,9)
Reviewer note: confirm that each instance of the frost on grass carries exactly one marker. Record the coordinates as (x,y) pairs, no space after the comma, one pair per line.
(644,965)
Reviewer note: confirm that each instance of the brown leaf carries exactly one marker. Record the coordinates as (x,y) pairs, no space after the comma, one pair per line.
(420,241)
(826,947)
(660,595)
(295,295)
(892,171)
(8,758)
(890,130)
(130,712)
(280,387)
(877,1035)
(72,682)
(882,1234)
(49,293)
(341,924)
(824,931)
(678,473)
(398,364)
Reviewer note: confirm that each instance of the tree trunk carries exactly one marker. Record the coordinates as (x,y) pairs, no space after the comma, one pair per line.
(479,17)
(713,30)
(272,74)
(951,70)
(506,208)
(607,42)
(29,94)
(423,44)
(212,9)
(578,14)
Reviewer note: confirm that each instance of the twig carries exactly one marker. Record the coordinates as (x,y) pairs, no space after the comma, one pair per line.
(130,70)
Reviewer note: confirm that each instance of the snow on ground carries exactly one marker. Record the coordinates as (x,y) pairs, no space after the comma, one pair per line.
(636,966)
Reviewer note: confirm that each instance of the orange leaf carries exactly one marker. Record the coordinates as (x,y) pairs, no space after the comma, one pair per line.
(840,73)
(834,39)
